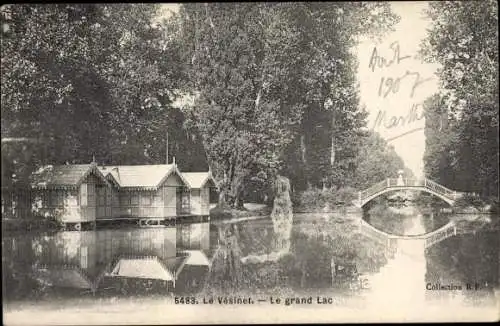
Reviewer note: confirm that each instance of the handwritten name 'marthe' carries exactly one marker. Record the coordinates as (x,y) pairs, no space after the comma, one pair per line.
(412,115)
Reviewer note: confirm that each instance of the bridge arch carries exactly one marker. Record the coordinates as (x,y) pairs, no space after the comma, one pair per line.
(424,185)
(448,200)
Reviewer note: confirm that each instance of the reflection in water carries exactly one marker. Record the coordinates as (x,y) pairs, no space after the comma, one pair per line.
(401,283)
(179,258)
(87,259)
(413,281)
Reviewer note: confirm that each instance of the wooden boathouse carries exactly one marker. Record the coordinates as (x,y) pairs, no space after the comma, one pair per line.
(83,195)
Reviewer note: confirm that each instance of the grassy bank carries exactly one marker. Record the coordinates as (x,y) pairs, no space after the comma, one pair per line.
(319,200)
(250,210)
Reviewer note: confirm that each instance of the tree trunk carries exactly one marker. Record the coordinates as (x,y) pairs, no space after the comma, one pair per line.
(332,153)
(303,148)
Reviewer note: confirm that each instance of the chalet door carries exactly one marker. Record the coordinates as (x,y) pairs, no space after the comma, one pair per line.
(182,201)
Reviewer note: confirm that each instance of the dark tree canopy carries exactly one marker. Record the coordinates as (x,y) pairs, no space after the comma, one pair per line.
(462,120)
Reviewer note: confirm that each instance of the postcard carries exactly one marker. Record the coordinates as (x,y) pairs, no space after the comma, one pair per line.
(245,163)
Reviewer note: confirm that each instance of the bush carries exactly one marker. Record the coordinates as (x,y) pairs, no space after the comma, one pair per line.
(468,200)
(316,199)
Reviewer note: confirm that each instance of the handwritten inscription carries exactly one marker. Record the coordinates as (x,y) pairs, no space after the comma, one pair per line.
(378,61)
(414,114)
(390,85)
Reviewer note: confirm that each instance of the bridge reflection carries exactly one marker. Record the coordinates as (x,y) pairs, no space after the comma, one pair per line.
(469,223)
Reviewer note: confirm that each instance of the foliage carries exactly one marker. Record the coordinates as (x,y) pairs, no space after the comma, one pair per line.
(462,256)
(462,120)
(376,161)
(90,79)
(256,70)
(468,200)
(316,199)
(309,264)
(382,218)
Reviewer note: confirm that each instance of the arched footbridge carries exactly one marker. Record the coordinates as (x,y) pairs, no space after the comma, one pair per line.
(425,185)
(427,239)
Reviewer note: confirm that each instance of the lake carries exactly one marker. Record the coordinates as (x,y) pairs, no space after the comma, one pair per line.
(66,269)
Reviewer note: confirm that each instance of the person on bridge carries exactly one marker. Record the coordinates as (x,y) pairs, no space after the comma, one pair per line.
(400,181)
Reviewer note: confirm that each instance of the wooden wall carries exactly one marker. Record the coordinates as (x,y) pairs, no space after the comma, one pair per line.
(195,202)
(96,200)
(139,203)
(62,203)
(91,201)
(205,201)
(193,236)
(200,201)
(135,242)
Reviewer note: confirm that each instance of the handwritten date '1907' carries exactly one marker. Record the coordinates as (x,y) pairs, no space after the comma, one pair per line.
(390,85)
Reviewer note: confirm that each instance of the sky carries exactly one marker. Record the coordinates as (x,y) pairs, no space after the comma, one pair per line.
(396,114)
(395,99)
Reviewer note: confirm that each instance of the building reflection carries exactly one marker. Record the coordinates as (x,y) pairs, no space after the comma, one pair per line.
(126,260)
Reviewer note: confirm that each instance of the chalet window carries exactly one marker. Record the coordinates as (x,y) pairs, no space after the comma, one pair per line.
(109,197)
(157,196)
(83,195)
(214,196)
(134,200)
(91,195)
(125,199)
(204,195)
(60,198)
(146,199)
(56,198)
(101,196)
(52,199)
(185,201)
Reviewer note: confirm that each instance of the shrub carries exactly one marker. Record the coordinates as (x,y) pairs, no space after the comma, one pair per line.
(316,199)
(469,200)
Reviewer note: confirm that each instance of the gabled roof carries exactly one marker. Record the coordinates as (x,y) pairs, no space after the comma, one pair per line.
(193,258)
(55,176)
(141,267)
(142,176)
(198,179)
(196,258)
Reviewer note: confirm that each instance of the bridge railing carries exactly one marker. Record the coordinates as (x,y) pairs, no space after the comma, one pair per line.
(373,189)
(373,233)
(392,182)
(439,188)
(439,236)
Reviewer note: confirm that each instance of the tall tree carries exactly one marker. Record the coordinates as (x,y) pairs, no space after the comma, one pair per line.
(86,80)
(375,161)
(464,40)
(260,71)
